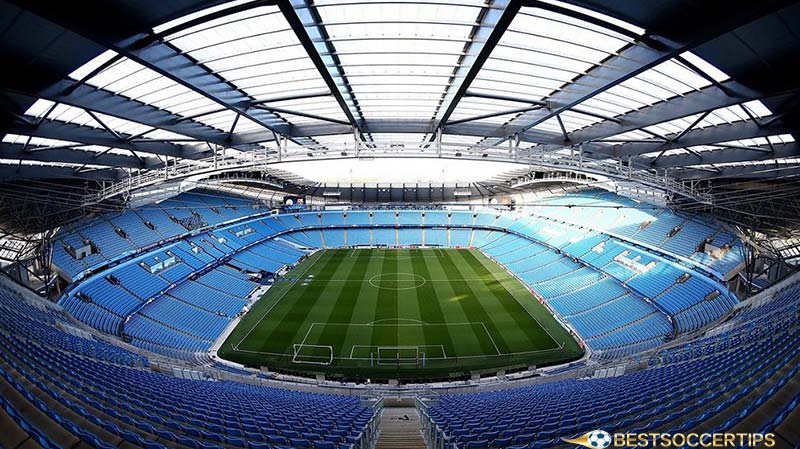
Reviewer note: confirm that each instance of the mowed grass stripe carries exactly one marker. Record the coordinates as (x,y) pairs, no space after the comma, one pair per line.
(463,298)
(364,311)
(290,317)
(324,302)
(273,322)
(548,328)
(340,294)
(386,307)
(448,295)
(407,299)
(506,309)
(253,324)
(483,304)
(428,302)
(344,305)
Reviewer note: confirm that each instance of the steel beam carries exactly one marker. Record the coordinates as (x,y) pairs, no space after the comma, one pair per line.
(16,172)
(746,129)
(75,156)
(728,155)
(308,27)
(493,25)
(169,62)
(630,62)
(695,102)
(774,171)
(490,115)
(106,102)
(58,130)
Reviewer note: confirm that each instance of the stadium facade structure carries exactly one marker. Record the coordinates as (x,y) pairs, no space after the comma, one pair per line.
(141,162)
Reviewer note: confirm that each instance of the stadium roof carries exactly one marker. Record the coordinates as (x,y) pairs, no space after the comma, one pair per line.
(694,90)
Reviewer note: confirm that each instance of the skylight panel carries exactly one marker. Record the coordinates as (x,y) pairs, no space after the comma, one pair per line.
(781,138)
(29,163)
(469,107)
(540,53)
(726,115)
(35,141)
(257,51)
(632,135)
(399,45)
(131,79)
(277,89)
(78,116)
(92,65)
(667,80)
(41,142)
(398,12)
(325,107)
(198,14)
(757,108)
(395,48)
(707,68)
(510,89)
(597,15)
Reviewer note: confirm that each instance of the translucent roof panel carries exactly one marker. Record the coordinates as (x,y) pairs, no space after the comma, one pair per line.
(667,80)
(721,116)
(757,142)
(34,143)
(539,53)
(70,114)
(131,79)
(257,51)
(396,50)
(395,66)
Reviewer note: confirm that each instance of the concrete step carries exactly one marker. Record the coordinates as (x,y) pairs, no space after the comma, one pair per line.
(400,429)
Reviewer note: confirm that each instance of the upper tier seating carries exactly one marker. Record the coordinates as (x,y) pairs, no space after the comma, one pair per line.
(674,233)
(117,235)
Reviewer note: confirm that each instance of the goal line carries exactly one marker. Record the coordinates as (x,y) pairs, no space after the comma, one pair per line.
(397,355)
(312,354)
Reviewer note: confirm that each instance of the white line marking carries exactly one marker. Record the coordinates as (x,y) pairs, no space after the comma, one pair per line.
(288,289)
(547,331)
(306,336)
(491,338)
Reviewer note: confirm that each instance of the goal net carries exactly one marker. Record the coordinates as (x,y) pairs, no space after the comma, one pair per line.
(312,354)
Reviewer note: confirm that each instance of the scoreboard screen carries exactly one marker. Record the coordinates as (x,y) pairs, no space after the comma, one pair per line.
(294,203)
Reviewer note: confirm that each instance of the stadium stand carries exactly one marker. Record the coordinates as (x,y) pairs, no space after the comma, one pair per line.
(63,390)
(399,224)
(653,300)
(713,384)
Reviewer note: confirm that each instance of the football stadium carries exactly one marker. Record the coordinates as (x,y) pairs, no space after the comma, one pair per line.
(399,224)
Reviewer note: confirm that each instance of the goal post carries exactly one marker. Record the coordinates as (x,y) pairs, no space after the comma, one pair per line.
(312,354)
(398,355)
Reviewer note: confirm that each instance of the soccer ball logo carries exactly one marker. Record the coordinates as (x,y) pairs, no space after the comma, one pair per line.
(599,439)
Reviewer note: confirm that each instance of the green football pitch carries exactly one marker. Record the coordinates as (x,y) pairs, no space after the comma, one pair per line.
(398,313)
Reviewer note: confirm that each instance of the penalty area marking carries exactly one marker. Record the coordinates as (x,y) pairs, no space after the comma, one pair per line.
(354,347)
(377,324)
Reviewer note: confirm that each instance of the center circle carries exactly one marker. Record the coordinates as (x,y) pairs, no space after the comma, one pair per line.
(397,281)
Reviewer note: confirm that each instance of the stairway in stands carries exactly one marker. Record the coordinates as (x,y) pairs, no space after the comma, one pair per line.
(400,428)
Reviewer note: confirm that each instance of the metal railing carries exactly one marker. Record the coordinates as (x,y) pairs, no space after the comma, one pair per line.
(260,160)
